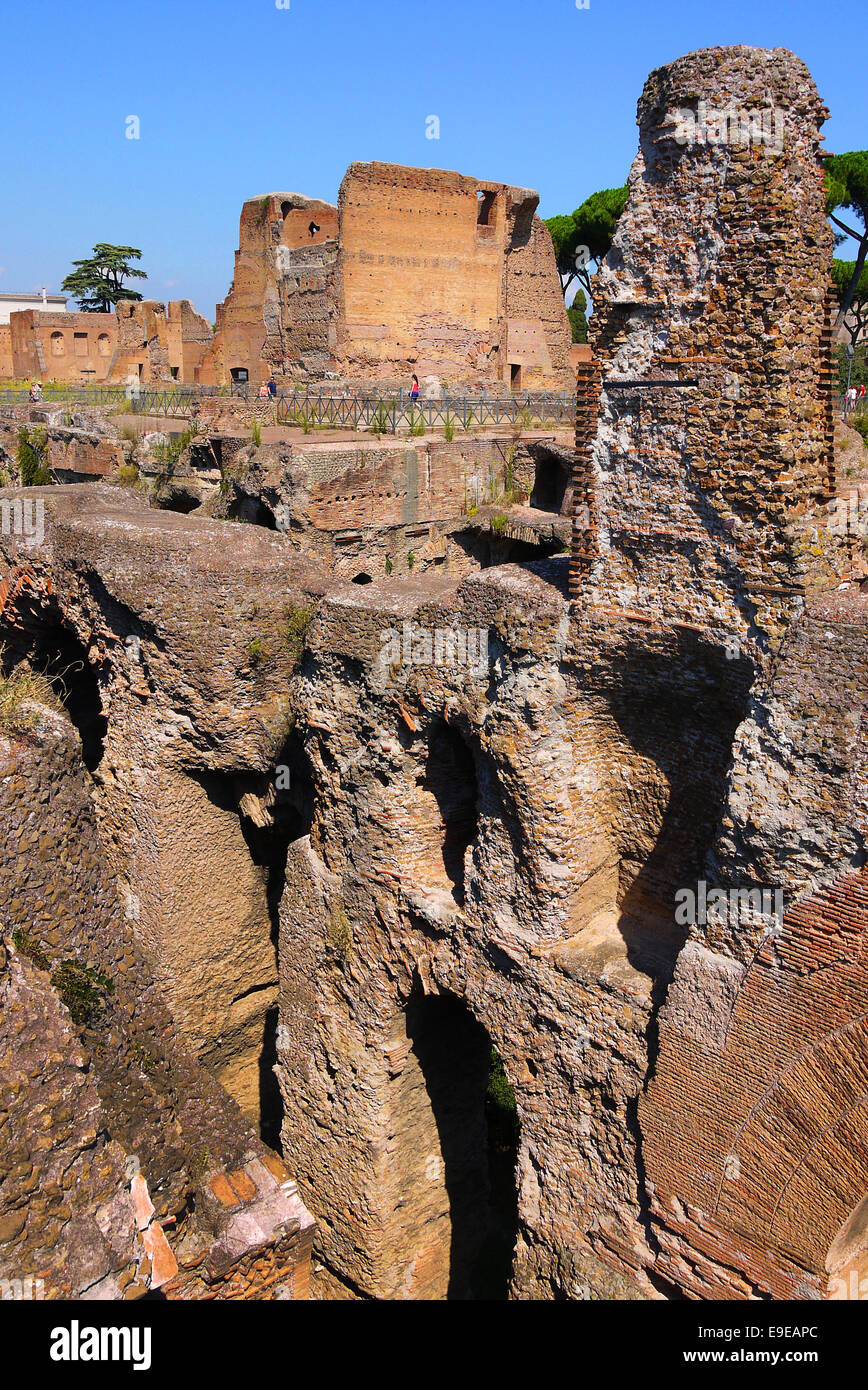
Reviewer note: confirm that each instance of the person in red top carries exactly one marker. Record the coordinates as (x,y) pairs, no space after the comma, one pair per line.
(414,389)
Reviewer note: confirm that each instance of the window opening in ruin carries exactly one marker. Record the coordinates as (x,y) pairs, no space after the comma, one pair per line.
(57,348)
(238,373)
(515,376)
(549,484)
(285,209)
(362,578)
(450,776)
(484,208)
(477,1134)
(174,371)
(313,228)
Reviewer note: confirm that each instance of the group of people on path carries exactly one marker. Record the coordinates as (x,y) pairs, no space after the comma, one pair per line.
(855,395)
(35,393)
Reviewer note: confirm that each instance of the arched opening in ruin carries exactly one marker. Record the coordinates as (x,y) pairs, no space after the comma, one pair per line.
(484,208)
(847,1261)
(251,510)
(285,208)
(362,578)
(551,479)
(178,499)
(450,778)
(471,1204)
(488,549)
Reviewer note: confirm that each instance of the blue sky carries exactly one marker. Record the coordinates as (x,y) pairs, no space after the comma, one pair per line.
(237,99)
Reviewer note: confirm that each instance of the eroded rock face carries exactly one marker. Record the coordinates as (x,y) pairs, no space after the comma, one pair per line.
(173,640)
(498,787)
(505,837)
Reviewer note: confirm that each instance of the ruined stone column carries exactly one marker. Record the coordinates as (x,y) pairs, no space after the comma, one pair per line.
(585,513)
(710,323)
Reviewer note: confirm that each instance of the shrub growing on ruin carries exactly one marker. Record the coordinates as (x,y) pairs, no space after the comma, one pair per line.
(83,990)
(859,421)
(128,474)
(499,523)
(30,945)
(500,1102)
(21,694)
(31,454)
(449,428)
(257,433)
(339,931)
(294,629)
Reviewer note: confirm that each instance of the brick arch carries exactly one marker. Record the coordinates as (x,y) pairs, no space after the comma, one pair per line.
(802,1156)
(755,1126)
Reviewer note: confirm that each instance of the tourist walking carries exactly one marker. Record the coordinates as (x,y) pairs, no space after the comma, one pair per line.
(414,389)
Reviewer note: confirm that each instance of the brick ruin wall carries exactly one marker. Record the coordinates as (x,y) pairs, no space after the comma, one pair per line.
(277,316)
(715,430)
(370,508)
(140,340)
(75,444)
(402,276)
(425,285)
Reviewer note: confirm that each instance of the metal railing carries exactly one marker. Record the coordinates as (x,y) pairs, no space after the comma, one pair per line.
(318,406)
(388,413)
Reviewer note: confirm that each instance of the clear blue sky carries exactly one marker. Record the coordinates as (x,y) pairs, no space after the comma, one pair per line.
(237,99)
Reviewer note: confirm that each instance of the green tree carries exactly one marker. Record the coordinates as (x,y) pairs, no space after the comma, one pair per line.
(847,189)
(98,281)
(578,318)
(843,274)
(586,235)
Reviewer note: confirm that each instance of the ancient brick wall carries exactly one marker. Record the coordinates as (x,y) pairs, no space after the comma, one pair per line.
(188,337)
(75,347)
(143,342)
(714,430)
(415,270)
(139,339)
(442,274)
(536,340)
(278,309)
(7,362)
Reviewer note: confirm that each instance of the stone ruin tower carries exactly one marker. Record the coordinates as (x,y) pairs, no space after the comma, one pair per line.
(712,333)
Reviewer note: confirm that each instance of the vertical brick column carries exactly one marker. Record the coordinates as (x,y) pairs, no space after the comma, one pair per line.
(827,389)
(585,514)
